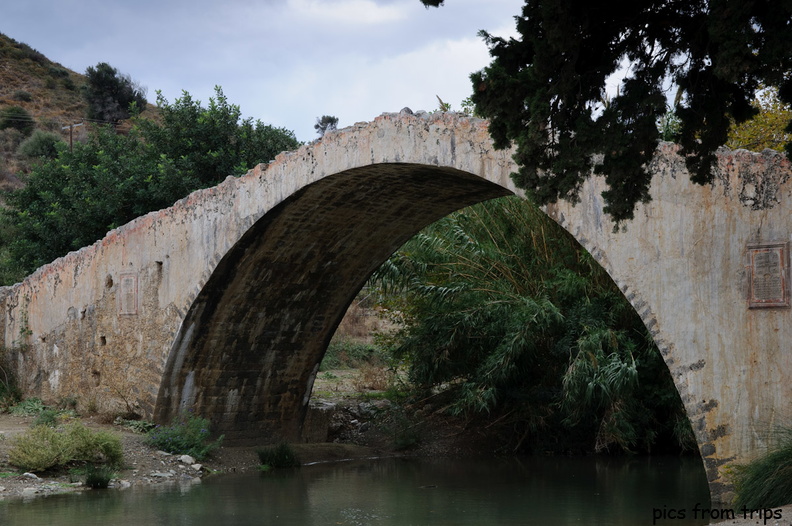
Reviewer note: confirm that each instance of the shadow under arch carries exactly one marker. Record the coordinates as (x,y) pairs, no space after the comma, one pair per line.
(249,347)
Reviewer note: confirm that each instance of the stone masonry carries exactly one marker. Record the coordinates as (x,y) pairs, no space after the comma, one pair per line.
(224,303)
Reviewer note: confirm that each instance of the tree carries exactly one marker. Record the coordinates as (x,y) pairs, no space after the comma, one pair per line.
(74,199)
(214,142)
(325,124)
(534,337)
(766,128)
(543,92)
(109,93)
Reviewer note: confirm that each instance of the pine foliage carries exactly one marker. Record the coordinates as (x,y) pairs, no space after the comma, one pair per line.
(544,92)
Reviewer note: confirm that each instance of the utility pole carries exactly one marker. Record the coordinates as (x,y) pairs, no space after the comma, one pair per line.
(71,133)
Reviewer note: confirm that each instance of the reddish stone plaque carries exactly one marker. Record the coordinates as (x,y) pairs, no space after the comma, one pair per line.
(127,294)
(769,279)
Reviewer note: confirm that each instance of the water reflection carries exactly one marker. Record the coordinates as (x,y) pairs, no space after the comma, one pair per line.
(400,492)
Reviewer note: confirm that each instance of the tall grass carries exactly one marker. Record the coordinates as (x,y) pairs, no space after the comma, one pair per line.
(280,456)
(501,305)
(767,481)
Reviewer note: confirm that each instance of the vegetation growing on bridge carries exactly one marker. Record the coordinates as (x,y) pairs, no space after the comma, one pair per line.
(511,321)
(74,199)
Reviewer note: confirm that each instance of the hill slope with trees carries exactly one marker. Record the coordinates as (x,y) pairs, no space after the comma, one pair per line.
(130,159)
(48,92)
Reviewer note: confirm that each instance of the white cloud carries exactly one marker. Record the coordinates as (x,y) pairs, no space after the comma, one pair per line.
(285,62)
(348,12)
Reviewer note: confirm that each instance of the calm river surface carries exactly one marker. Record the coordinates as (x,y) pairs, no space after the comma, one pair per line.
(544,491)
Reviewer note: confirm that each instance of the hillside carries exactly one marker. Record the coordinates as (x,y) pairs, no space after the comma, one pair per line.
(45,89)
(49,91)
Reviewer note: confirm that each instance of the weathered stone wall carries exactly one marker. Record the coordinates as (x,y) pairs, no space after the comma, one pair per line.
(225,302)
(682,262)
(99,324)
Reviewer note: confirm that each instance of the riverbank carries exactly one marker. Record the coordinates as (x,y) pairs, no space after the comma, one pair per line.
(361,426)
(360,429)
(144,465)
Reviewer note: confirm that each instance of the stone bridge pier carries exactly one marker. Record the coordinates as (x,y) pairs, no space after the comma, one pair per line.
(224,303)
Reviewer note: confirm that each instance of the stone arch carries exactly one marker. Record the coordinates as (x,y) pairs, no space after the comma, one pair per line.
(251,343)
(160,310)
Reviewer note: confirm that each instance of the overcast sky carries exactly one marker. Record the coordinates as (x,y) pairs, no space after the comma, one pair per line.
(285,62)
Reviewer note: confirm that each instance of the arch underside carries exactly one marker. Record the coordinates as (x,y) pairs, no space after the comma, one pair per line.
(250,345)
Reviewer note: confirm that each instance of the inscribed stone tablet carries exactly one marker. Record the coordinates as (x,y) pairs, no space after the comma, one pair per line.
(769,275)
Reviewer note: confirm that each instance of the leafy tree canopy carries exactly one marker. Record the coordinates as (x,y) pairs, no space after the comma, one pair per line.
(214,142)
(110,93)
(767,128)
(72,200)
(544,91)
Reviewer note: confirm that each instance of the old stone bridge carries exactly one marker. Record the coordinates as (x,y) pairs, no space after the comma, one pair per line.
(224,303)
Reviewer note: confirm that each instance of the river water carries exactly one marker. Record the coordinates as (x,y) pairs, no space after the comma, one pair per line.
(553,491)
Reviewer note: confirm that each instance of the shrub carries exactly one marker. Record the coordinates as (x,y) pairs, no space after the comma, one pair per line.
(93,446)
(138,426)
(98,477)
(373,378)
(17,117)
(37,450)
(55,71)
(10,139)
(280,456)
(347,354)
(767,481)
(44,447)
(187,436)
(40,144)
(25,51)
(22,95)
(48,417)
